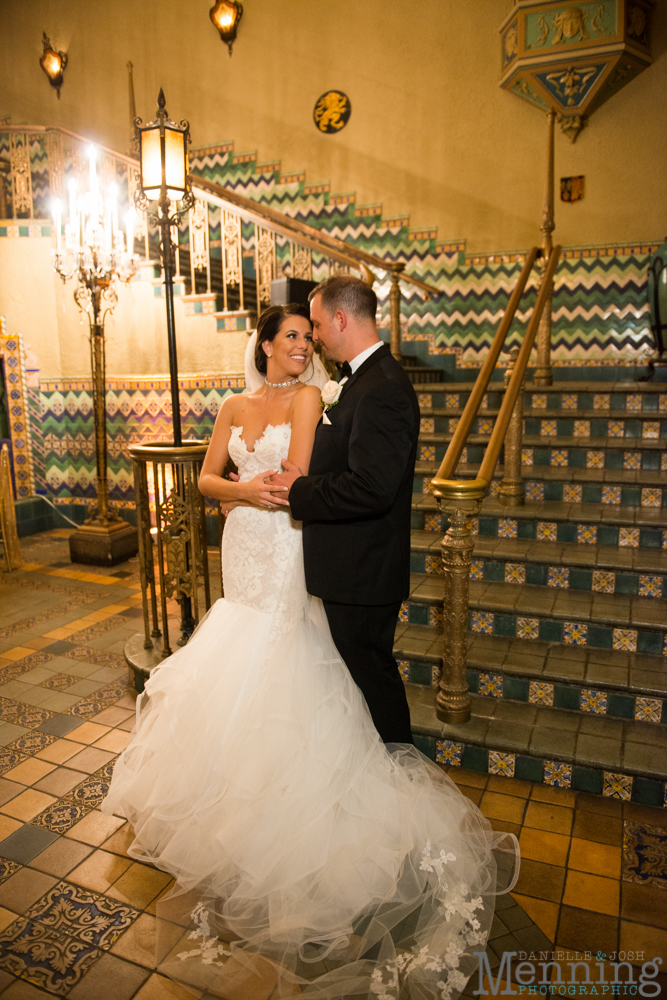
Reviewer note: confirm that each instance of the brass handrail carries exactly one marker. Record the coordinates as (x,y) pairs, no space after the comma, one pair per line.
(271,218)
(453,703)
(326,242)
(475,489)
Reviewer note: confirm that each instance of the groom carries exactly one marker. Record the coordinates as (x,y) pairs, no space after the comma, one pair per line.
(355,502)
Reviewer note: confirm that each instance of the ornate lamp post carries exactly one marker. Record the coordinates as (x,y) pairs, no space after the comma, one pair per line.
(164,191)
(99,255)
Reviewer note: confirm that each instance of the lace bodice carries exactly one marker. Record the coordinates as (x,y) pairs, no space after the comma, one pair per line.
(262,562)
(268,452)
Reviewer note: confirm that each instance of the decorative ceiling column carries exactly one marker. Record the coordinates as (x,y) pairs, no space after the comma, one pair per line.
(574,56)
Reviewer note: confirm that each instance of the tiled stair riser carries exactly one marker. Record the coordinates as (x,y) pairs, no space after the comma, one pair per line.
(571,697)
(556,402)
(645,428)
(555,531)
(541,574)
(646,791)
(570,633)
(637,454)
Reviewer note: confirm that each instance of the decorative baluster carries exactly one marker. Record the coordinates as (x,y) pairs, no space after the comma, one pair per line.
(395,309)
(265,263)
(512,492)
(301,262)
(21,174)
(453,700)
(543,374)
(54,153)
(199,243)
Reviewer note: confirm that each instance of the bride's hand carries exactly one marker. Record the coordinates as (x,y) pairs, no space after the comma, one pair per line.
(260,493)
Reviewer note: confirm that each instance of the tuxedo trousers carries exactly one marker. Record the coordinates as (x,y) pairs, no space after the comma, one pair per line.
(364,637)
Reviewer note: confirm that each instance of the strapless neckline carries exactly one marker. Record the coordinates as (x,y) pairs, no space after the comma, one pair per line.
(239,428)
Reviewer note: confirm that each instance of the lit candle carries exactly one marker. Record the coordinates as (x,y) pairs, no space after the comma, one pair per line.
(113,199)
(93,171)
(95,207)
(56,219)
(129,227)
(72,203)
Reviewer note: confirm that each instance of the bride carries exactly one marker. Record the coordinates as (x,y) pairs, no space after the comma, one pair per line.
(309,858)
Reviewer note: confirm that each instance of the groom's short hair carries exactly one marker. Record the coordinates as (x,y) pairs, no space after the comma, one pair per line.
(349,294)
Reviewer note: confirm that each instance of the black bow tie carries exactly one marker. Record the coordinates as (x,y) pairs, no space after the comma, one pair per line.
(344,369)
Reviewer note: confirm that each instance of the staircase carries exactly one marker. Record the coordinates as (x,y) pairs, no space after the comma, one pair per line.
(567,656)
(420,375)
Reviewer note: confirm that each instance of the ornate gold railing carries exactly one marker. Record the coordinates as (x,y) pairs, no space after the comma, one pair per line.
(173,559)
(461,498)
(10,539)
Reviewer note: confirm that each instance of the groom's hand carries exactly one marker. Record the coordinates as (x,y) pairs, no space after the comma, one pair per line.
(287,477)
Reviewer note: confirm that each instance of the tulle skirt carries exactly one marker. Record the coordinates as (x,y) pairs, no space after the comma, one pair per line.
(310,859)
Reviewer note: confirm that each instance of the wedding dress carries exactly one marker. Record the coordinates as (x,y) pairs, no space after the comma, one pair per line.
(309,858)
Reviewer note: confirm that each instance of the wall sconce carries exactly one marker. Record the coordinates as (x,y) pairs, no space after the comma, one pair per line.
(53,63)
(226,15)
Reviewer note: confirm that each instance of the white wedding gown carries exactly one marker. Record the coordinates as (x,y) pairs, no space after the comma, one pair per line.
(309,858)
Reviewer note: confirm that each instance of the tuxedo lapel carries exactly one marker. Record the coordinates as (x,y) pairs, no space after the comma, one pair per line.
(381,352)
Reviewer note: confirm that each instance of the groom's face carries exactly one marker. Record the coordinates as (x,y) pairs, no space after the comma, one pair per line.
(327,330)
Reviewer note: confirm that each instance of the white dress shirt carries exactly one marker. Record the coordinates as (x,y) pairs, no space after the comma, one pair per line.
(360,358)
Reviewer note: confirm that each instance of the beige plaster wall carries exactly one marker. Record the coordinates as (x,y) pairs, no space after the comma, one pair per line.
(36,303)
(431,133)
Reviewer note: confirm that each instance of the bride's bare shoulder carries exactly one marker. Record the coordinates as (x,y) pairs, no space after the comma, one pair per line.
(308,393)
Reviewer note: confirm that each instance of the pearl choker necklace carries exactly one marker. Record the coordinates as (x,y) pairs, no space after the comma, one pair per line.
(280,385)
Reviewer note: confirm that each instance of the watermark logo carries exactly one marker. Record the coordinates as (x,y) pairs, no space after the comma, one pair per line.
(564,973)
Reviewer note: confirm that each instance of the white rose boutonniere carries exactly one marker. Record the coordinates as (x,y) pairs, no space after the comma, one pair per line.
(330,394)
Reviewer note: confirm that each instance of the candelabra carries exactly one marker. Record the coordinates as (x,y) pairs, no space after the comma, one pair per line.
(98,255)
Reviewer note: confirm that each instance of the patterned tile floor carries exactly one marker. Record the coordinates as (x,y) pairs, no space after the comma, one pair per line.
(77,916)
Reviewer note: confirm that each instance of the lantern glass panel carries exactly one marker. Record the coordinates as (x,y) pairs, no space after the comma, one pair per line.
(175,169)
(225,17)
(51,64)
(151,162)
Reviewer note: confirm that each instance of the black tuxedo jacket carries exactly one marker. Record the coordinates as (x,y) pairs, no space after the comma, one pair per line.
(355,502)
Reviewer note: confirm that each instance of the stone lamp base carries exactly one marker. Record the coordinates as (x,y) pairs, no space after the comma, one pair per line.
(103,545)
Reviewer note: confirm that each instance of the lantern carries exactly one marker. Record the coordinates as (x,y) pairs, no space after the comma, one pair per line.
(53,63)
(226,15)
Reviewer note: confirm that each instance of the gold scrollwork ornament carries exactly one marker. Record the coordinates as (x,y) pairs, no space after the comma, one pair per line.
(332,111)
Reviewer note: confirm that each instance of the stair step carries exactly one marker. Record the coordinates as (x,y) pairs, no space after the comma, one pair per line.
(536,743)
(616,391)
(578,618)
(601,416)
(558,475)
(551,521)
(424,375)
(551,604)
(536,441)
(567,565)
(544,673)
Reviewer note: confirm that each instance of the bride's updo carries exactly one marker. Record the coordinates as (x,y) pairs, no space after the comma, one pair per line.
(268,325)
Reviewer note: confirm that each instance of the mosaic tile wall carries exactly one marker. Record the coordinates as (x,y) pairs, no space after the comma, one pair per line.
(138,411)
(600,301)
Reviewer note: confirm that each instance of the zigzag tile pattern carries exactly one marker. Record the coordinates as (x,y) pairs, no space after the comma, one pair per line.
(135,415)
(600,298)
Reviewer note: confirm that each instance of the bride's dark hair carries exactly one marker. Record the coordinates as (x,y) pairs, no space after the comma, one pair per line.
(268,325)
